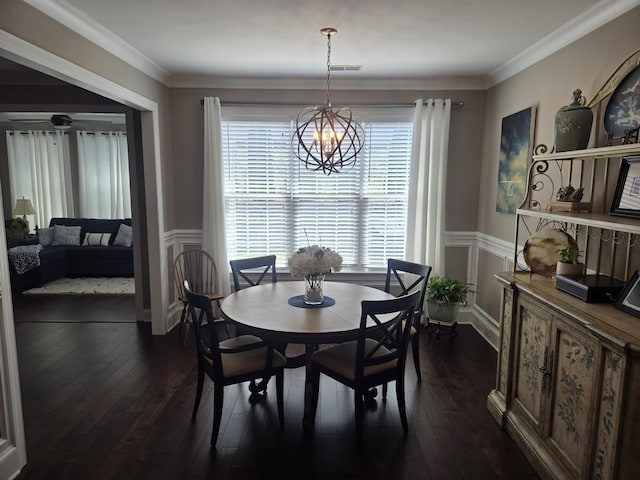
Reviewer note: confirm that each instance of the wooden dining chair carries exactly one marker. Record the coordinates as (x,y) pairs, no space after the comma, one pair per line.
(249,272)
(198,267)
(402,278)
(377,357)
(228,362)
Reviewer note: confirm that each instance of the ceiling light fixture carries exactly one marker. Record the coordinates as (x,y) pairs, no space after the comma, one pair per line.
(327,138)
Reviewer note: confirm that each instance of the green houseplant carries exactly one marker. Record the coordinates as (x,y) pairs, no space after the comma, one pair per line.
(444,297)
(17,230)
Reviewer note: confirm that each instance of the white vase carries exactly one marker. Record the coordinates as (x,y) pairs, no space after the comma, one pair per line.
(313,289)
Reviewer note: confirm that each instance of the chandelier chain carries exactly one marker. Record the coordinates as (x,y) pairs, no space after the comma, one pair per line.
(328,68)
(327,138)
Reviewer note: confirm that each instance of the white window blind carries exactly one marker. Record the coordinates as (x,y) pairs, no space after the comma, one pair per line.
(274,205)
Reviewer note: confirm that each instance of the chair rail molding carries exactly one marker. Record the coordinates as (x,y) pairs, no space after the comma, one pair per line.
(488,327)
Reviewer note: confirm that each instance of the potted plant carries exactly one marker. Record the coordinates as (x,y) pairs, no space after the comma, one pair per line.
(444,297)
(568,263)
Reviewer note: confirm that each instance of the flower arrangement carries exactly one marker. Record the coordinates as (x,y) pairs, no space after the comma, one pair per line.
(314,260)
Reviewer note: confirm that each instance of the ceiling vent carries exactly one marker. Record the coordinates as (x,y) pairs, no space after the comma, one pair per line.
(346,68)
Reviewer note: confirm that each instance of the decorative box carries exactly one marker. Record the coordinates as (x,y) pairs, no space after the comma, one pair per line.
(590,288)
(570,206)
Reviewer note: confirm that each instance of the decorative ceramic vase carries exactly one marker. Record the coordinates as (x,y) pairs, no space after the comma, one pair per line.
(313,289)
(573,125)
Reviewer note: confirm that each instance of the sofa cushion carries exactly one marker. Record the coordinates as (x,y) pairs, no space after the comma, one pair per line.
(101,225)
(70,222)
(96,239)
(52,254)
(66,235)
(98,253)
(124,237)
(46,236)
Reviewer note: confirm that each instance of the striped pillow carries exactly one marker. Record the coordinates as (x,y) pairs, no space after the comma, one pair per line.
(97,239)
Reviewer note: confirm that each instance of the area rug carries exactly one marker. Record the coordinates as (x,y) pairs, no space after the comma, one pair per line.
(86,286)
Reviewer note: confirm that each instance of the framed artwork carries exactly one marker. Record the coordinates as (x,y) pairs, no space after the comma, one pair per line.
(622,116)
(626,200)
(629,298)
(516,144)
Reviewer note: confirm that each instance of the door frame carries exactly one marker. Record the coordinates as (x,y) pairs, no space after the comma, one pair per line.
(13,447)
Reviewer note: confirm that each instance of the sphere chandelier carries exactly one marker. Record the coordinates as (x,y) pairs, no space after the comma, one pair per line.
(327,138)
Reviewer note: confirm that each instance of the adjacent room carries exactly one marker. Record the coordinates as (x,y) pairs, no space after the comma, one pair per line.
(284,240)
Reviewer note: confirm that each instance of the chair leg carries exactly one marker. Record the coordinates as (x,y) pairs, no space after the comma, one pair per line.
(401,403)
(183,315)
(218,396)
(198,391)
(359,409)
(415,347)
(315,390)
(185,333)
(280,395)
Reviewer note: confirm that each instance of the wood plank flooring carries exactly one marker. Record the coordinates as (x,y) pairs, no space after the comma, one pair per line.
(111,401)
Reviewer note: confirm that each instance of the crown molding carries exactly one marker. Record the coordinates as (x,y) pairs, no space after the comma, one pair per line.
(581,25)
(64,13)
(306,83)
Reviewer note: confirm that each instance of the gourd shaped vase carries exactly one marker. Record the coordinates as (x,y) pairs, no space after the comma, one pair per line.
(573,125)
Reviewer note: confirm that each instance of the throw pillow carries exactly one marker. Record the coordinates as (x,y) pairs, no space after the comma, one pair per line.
(124,237)
(66,235)
(97,239)
(46,236)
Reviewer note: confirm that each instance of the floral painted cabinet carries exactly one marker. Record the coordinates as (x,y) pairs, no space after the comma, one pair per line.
(554,383)
(568,382)
(532,351)
(573,362)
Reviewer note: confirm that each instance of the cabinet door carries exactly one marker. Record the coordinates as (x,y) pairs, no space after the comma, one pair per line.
(533,324)
(574,363)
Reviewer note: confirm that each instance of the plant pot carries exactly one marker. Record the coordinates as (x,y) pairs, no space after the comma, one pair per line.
(442,313)
(569,268)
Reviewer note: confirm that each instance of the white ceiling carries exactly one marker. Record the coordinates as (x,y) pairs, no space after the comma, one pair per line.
(477,42)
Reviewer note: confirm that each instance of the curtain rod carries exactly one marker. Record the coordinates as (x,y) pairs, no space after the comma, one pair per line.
(66,132)
(454,103)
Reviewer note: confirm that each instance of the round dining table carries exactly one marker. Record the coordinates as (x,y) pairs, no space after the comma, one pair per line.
(272,312)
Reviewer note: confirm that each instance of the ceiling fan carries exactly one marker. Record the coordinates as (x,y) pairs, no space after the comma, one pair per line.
(63,121)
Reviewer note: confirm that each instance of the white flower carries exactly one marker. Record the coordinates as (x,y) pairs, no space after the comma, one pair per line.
(314,260)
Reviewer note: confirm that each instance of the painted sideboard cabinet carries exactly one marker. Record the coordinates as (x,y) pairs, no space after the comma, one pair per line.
(568,373)
(568,384)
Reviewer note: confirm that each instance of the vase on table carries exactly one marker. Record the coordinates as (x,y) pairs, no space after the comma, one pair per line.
(313,289)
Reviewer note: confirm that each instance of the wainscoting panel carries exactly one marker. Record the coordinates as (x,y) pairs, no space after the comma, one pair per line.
(485,256)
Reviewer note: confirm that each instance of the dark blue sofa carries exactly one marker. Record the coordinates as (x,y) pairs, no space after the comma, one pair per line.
(79,261)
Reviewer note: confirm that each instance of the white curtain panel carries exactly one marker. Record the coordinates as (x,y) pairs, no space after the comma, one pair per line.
(40,170)
(427,184)
(103,175)
(213,229)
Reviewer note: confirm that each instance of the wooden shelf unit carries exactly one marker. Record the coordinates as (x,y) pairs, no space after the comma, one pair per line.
(568,373)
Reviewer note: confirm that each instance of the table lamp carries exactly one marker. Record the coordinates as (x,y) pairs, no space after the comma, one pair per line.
(24,207)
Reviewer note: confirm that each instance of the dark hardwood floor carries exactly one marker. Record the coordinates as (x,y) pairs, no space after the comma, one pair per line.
(111,401)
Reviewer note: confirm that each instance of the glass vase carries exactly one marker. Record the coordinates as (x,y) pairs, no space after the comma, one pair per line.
(313,289)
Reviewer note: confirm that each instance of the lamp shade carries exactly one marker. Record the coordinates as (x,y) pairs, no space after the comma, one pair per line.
(24,207)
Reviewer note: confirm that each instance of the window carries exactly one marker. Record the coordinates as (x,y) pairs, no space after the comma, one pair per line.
(274,205)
